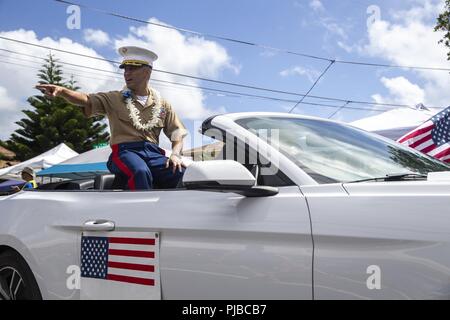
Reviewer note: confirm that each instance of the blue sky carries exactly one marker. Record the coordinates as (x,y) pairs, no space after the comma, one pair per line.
(336,29)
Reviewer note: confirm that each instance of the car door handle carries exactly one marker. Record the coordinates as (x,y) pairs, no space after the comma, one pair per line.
(99,225)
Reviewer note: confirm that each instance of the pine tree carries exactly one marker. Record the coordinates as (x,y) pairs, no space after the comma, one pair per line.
(443,24)
(54,121)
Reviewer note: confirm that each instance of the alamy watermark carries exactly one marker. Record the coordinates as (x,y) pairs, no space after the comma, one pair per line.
(73,281)
(73,21)
(373,282)
(374,13)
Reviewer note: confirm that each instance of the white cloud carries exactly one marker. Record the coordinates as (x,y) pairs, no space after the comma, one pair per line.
(333,28)
(96,37)
(401,91)
(424,10)
(20,81)
(346,47)
(326,21)
(7,103)
(268,53)
(10,111)
(410,41)
(316,5)
(311,74)
(178,53)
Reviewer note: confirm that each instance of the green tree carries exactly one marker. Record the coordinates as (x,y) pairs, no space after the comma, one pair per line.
(54,121)
(443,24)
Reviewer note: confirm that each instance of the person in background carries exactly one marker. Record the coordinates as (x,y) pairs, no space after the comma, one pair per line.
(29,176)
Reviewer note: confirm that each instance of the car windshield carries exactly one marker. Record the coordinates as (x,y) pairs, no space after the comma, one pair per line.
(333,152)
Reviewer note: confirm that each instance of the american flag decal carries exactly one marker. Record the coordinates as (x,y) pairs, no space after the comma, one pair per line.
(129,259)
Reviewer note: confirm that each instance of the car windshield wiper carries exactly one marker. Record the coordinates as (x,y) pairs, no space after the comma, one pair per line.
(395,177)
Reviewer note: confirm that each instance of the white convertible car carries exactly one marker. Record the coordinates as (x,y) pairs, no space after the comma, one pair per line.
(292,208)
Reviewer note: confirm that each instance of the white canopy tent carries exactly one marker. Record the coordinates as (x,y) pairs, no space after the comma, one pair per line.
(45,160)
(395,123)
(86,165)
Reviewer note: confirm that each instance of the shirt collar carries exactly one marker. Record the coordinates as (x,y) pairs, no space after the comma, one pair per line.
(149,100)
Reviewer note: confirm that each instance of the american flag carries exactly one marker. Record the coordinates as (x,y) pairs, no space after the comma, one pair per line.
(124,259)
(432,137)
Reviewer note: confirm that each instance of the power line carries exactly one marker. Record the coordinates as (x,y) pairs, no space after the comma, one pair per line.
(59,50)
(21,54)
(60,61)
(62,65)
(193,32)
(119,73)
(215,81)
(250,43)
(340,108)
(39,68)
(223,92)
(368,64)
(264,97)
(312,87)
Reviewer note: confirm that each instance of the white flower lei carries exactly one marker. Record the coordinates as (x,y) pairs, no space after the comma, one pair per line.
(135,114)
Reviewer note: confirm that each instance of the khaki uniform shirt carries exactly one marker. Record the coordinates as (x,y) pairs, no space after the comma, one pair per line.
(113,105)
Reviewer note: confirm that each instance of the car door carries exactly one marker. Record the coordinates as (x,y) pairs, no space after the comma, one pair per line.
(384,240)
(212,245)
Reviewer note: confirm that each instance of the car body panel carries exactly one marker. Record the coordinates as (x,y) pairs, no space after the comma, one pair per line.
(311,240)
(232,250)
(398,227)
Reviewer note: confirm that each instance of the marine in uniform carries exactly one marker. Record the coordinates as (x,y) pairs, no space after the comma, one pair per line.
(137,114)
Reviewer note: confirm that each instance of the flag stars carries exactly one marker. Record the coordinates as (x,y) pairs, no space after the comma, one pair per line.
(440,133)
(94,257)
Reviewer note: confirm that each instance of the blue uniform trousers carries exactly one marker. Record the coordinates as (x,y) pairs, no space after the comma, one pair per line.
(143,165)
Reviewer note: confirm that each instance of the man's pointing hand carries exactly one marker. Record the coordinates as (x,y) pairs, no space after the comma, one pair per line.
(50,90)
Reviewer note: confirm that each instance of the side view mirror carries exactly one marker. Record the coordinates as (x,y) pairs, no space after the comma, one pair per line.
(224,176)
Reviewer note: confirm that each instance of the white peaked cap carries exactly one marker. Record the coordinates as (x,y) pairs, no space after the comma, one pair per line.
(137,56)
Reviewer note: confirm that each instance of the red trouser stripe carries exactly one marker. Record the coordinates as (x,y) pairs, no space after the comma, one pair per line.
(122,166)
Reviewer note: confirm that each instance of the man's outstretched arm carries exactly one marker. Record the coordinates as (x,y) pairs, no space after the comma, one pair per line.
(74,97)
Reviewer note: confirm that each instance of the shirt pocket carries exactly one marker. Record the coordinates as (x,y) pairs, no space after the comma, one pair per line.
(123,115)
(148,116)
